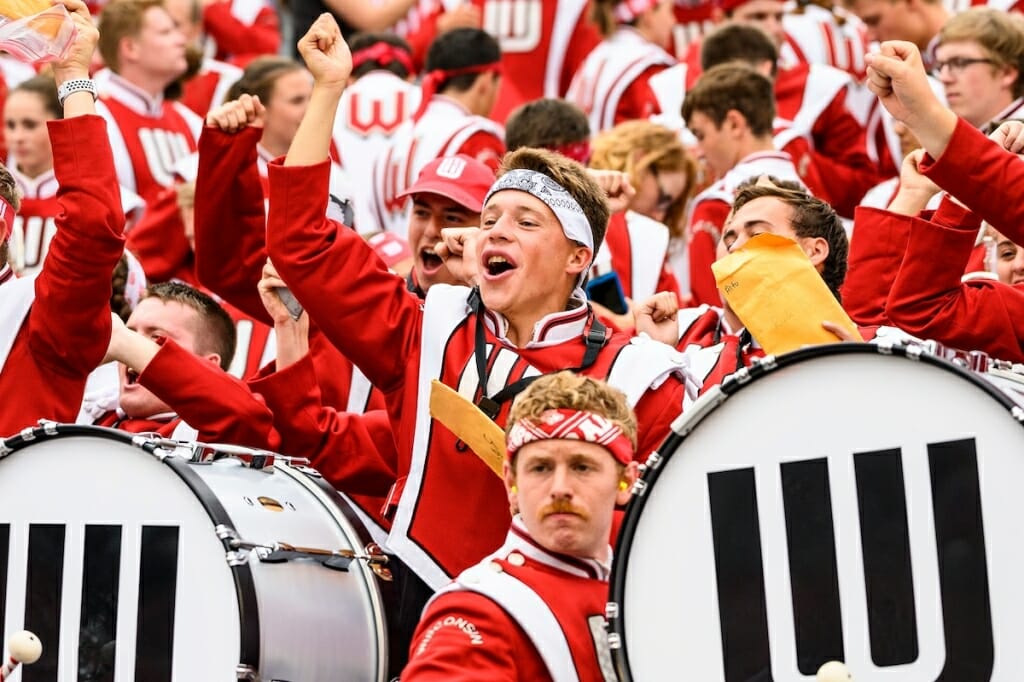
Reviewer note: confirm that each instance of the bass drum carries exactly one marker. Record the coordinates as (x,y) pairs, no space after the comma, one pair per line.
(132,560)
(845,502)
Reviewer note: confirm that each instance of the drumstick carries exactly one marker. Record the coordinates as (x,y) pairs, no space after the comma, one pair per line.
(25,648)
(833,671)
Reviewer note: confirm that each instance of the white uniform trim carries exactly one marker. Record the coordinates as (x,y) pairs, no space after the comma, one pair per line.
(527,609)
(822,86)
(641,365)
(16,297)
(566,18)
(648,241)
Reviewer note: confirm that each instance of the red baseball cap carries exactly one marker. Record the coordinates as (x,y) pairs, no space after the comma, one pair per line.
(460,178)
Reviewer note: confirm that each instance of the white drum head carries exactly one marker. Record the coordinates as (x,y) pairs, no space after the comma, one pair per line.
(847,505)
(113,558)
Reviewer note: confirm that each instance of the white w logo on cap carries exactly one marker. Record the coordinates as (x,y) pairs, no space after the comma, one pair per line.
(451,168)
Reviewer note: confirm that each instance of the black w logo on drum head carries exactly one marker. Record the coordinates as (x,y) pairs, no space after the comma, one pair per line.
(101,589)
(887,564)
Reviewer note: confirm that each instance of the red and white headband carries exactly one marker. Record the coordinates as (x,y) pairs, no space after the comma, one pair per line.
(563,424)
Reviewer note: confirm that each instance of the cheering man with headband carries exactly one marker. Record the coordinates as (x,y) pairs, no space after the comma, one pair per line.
(541,224)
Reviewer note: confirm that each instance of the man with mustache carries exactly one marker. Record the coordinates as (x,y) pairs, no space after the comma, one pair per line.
(533,610)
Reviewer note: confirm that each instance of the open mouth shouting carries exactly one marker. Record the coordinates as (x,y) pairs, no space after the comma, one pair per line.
(430,261)
(497,265)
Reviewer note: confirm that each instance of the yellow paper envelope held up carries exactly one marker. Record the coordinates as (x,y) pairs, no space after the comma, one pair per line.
(778,295)
(469,424)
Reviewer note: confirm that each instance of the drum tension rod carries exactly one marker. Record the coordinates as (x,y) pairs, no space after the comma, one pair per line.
(280,552)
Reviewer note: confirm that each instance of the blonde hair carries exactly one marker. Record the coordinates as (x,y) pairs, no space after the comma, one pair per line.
(574,392)
(998,33)
(638,147)
(121,19)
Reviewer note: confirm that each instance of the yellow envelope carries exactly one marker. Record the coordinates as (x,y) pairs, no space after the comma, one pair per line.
(469,424)
(778,295)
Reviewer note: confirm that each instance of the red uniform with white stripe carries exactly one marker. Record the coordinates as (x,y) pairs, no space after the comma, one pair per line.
(44,364)
(835,38)
(35,225)
(207,89)
(827,143)
(523,613)
(148,135)
(242,30)
(709,210)
(442,492)
(370,113)
(543,43)
(446,128)
(694,20)
(611,85)
(636,247)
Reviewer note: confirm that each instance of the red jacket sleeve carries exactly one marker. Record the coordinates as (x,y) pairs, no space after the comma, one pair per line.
(216,404)
(840,152)
(360,306)
(982,175)
(355,453)
(876,252)
(231,219)
(69,322)
(233,37)
(929,300)
(485,148)
(705,230)
(463,637)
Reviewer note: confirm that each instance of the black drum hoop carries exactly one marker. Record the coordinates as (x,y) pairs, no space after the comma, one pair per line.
(733,384)
(245,586)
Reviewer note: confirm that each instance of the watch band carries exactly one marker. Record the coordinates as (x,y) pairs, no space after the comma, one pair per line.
(68,88)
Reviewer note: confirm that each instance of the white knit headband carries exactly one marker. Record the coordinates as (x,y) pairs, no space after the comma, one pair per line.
(568,211)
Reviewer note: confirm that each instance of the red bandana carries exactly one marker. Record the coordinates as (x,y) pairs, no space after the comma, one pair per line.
(562,424)
(432,81)
(383,54)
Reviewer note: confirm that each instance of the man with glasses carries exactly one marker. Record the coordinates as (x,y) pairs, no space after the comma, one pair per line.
(979,57)
(730,111)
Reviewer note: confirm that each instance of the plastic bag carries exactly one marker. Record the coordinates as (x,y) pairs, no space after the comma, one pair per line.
(36,32)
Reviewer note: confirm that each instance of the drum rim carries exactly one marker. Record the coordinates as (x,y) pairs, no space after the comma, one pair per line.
(245,586)
(733,384)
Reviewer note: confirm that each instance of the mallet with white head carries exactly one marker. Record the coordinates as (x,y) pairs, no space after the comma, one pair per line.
(24,647)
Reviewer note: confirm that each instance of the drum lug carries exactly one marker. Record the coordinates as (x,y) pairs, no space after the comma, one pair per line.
(237,557)
(614,641)
(378,561)
(639,487)
(611,610)
(246,672)
(49,427)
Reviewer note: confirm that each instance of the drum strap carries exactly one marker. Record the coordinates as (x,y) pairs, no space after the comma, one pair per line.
(595,338)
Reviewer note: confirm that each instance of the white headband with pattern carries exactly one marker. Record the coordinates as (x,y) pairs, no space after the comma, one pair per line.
(568,211)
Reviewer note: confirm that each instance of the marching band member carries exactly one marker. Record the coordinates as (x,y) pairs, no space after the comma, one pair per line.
(54,329)
(534,609)
(460,83)
(174,352)
(529,318)
(640,239)
(613,83)
(714,338)
(730,111)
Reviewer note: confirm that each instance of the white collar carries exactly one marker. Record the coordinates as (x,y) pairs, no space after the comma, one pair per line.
(134,97)
(551,329)
(520,541)
(37,187)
